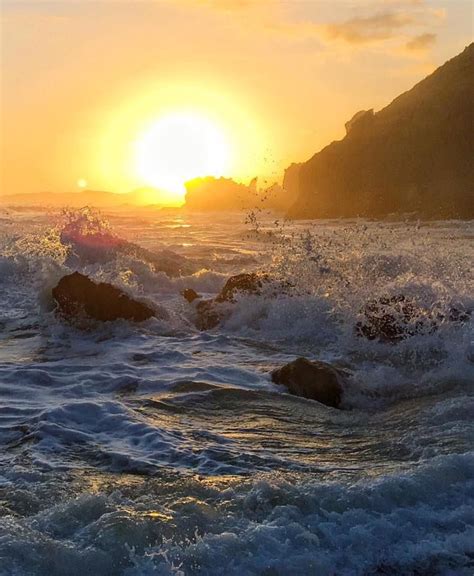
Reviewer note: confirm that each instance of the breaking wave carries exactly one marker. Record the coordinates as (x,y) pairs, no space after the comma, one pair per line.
(161,449)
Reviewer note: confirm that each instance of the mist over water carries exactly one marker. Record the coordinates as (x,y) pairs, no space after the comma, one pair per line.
(159,449)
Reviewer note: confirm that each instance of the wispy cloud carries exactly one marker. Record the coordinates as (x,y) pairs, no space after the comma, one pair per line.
(421,42)
(381,26)
(401,26)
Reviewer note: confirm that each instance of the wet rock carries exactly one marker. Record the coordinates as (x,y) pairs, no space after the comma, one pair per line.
(209,314)
(247,283)
(190,295)
(78,297)
(311,379)
(391,319)
(459,315)
(212,311)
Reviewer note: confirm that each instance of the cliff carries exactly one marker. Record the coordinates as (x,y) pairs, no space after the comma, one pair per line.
(415,155)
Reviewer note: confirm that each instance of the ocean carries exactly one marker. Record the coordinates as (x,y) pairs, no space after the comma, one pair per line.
(158,449)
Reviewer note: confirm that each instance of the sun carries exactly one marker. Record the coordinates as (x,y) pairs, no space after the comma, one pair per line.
(178,147)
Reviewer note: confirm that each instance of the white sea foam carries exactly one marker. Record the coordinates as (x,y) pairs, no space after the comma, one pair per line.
(383,487)
(412,523)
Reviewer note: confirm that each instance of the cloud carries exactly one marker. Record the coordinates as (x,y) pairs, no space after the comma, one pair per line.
(421,43)
(381,26)
(395,25)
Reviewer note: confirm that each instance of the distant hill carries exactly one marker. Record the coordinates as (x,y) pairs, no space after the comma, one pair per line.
(97,198)
(416,155)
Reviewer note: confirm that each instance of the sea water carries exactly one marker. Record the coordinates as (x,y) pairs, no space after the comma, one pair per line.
(157,449)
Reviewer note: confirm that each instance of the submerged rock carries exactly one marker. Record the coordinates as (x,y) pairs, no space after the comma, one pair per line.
(311,379)
(90,240)
(391,319)
(78,297)
(458,315)
(211,312)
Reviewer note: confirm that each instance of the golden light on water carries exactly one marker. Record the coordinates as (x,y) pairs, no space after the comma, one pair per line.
(178,147)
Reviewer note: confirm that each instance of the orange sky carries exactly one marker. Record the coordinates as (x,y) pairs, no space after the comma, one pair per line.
(81,79)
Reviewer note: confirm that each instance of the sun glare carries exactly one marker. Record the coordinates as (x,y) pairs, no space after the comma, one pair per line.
(160,135)
(178,147)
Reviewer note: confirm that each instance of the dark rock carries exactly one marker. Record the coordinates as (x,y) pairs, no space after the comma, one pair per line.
(459,315)
(78,297)
(390,319)
(360,121)
(315,380)
(190,295)
(247,283)
(394,318)
(209,314)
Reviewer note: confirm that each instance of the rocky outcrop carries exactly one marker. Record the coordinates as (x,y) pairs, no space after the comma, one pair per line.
(362,120)
(414,156)
(211,194)
(312,379)
(79,298)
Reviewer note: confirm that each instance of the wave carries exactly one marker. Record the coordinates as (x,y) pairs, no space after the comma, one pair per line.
(333,269)
(418,522)
(160,449)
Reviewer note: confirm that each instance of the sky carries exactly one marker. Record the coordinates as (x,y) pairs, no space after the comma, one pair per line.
(82,81)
